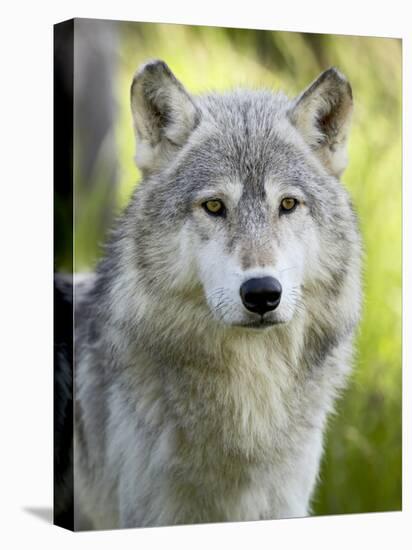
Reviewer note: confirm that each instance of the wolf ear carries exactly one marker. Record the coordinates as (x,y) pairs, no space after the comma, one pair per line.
(322,114)
(164,115)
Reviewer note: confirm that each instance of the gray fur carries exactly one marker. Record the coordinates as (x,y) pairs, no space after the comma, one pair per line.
(189,408)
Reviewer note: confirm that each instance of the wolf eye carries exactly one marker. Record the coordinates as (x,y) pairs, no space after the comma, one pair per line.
(288,204)
(214,207)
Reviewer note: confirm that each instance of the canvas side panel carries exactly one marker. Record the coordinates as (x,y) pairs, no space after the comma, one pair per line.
(63,274)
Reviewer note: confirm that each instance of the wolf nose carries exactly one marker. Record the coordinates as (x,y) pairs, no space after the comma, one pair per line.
(261,295)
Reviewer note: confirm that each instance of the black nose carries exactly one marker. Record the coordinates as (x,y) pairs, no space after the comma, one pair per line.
(261,295)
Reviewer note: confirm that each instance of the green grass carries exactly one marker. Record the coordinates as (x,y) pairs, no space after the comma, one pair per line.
(361,470)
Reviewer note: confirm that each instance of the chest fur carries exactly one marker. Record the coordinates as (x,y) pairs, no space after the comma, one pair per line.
(248,405)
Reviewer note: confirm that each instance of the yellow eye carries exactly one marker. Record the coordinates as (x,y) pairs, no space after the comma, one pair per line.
(288,204)
(214,207)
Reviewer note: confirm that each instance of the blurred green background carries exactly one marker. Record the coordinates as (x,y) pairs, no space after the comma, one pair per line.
(361,469)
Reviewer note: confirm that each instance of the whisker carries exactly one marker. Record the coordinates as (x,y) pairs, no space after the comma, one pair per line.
(288,268)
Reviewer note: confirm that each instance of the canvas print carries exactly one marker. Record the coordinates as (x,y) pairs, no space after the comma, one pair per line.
(227,274)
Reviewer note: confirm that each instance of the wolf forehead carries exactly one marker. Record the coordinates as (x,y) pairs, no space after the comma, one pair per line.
(246,136)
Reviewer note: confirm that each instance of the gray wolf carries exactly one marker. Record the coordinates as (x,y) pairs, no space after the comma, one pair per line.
(216,332)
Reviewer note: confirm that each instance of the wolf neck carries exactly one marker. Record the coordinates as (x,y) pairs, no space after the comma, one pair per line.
(251,384)
(241,378)
(192,337)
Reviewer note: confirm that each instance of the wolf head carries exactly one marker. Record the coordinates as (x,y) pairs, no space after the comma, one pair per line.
(240,210)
